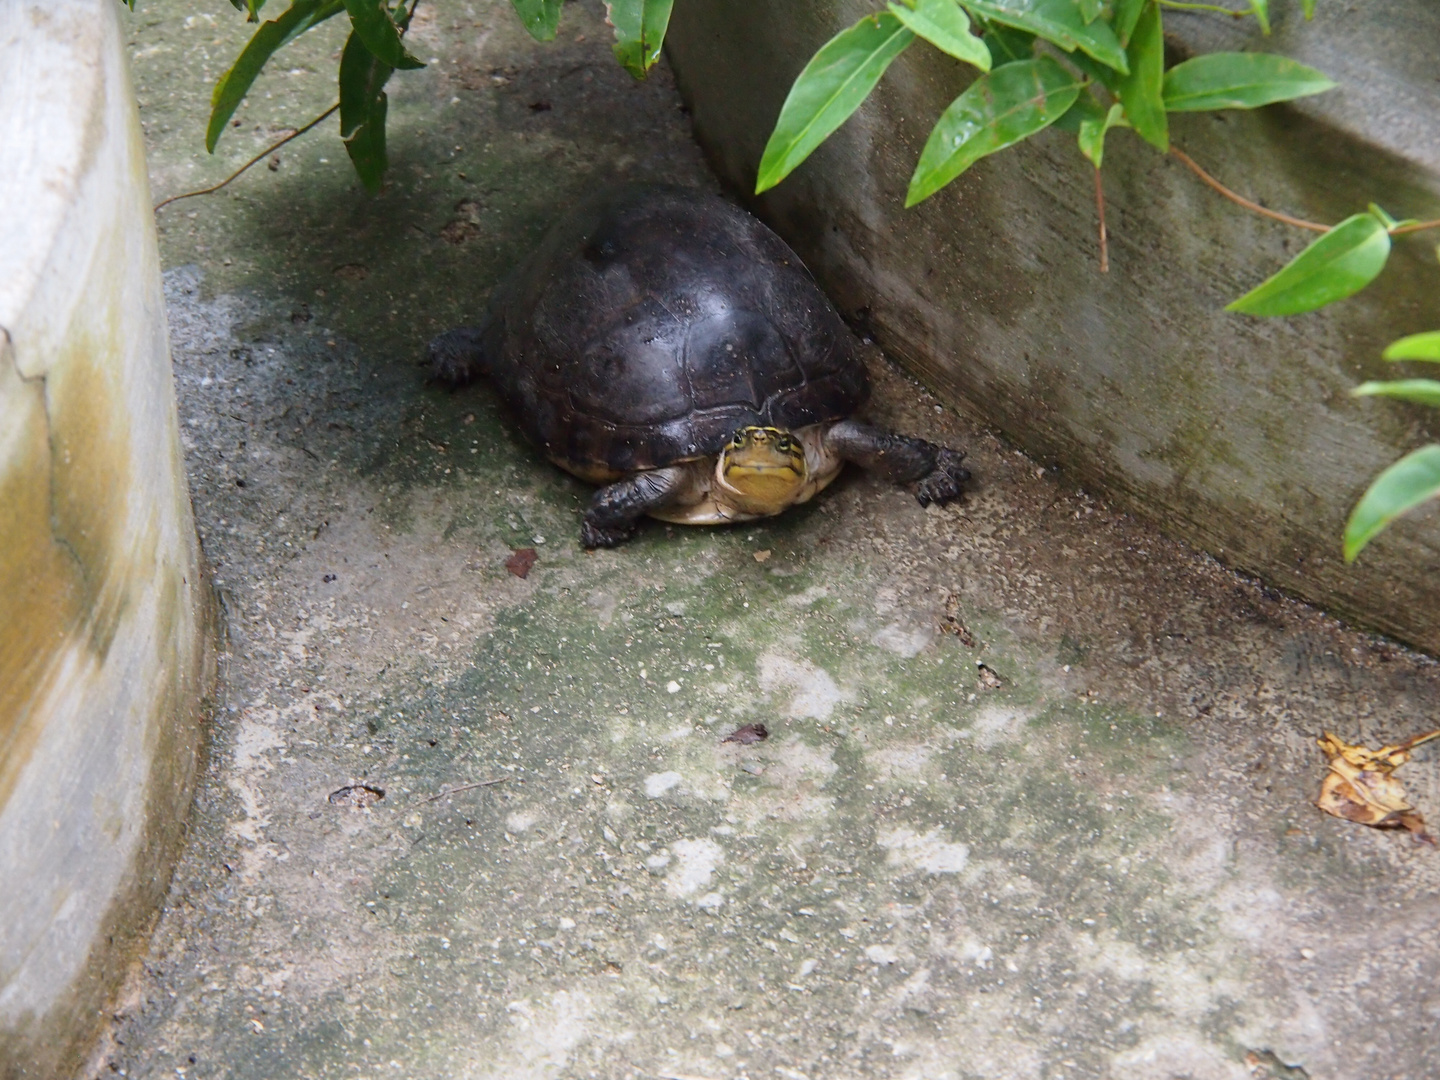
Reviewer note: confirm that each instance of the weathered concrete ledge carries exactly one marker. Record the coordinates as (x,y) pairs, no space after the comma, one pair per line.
(104,619)
(1234,433)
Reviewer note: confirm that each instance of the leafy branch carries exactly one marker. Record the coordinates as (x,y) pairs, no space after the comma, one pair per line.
(1088,66)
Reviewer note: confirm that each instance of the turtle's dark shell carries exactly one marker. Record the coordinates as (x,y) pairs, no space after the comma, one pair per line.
(652,323)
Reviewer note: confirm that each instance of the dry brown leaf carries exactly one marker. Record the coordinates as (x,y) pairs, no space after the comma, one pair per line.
(357,795)
(1360,786)
(950,622)
(748,734)
(1266,1065)
(520,562)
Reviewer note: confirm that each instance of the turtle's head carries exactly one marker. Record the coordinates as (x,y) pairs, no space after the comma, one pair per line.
(764,467)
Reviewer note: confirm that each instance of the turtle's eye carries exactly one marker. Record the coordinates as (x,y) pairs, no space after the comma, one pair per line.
(784,445)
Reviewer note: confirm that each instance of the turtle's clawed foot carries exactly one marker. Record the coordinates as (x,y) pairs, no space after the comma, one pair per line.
(456,358)
(594,536)
(945,481)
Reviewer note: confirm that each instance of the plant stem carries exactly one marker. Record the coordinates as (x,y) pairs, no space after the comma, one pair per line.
(1104,237)
(1415,226)
(1300,223)
(268,150)
(1179,5)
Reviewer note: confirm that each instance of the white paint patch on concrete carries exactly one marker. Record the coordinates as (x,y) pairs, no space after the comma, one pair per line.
(795,761)
(256,734)
(604,605)
(930,852)
(813,692)
(657,784)
(521,820)
(1170,1055)
(908,760)
(695,863)
(996,724)
(809,596)
(974,952)
(542,1038)
(903,639)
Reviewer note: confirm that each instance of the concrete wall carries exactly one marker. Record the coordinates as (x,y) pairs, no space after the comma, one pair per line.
(1232,432)
(104,616)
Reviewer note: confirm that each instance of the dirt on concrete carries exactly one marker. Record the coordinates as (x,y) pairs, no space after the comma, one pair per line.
(1036,797)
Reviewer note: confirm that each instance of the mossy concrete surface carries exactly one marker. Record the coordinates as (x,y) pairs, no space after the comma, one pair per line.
(1036,797)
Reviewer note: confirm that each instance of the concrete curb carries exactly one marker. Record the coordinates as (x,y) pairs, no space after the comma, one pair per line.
(105,620)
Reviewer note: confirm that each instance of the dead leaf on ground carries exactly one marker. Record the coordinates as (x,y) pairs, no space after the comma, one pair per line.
(521,561)
(1360,786)
(1266,1065)
(950,622)
(748,734)
(357,795)
(988,678)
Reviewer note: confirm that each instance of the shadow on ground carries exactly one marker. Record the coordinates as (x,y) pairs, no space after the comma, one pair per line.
(1036,800)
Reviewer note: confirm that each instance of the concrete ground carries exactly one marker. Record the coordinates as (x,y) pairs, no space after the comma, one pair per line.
(1037,796)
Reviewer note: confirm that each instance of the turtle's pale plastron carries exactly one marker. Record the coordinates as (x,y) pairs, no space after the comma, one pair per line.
(667,345)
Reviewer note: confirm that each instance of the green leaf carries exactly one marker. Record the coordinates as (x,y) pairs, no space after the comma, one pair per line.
(1087,107)
(1412,480)
(252,9)
(367,147)
(996,111)
(1339,264)
(1385,219)
(1308,7)
(639,32)
(541,17)
(1127,14)
(1424,346)
(945,25)
(362,84)
(1140,90)
(1092,133)
(1006,45)
(1420,391)
(1058,22)
(1090,10)
(1231,80)
(832,86)
(371,20)
(231,87)
(1261,10)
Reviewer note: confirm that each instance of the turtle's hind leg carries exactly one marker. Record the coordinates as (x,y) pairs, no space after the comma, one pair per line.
(616,510)
(901,459)
(458,357)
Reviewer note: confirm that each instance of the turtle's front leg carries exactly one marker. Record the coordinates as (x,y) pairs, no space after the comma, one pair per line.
(616,510)
(901,459)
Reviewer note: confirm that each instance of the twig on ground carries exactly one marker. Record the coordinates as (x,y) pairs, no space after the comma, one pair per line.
(464,787)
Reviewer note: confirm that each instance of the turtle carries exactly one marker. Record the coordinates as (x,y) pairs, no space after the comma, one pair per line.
(663,343)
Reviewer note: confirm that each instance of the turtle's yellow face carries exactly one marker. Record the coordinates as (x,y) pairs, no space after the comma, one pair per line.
(764,465)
